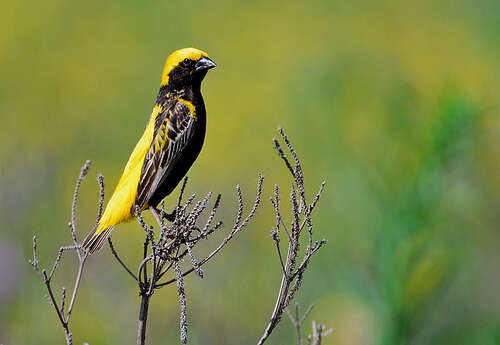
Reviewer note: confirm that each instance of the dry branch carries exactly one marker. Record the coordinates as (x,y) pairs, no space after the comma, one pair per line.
(176,240)
(64,317)
(292,275)
(319,331)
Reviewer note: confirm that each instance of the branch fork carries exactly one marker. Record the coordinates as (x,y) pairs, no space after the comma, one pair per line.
(292,275)
(65,317)
(176,240)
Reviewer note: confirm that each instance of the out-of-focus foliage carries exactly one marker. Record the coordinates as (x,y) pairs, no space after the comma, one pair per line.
(394,103)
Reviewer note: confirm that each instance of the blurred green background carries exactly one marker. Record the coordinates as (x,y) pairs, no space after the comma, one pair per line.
(393,103)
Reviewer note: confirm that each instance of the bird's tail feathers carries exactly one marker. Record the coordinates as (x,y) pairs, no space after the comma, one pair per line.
(95,240)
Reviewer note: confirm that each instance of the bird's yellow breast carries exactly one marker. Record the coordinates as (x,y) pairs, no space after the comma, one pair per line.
(120,205)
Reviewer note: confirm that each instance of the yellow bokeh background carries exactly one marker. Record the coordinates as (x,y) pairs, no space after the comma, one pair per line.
(393,103)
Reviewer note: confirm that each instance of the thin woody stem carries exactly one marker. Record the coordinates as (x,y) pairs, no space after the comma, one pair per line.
(77,285)
(293,276)
(53,299)
(117,257)
(143,318)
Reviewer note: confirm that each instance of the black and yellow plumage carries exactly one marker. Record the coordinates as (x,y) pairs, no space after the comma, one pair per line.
(171,142)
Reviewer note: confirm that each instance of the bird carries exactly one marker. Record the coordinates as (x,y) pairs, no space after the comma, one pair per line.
(171,142)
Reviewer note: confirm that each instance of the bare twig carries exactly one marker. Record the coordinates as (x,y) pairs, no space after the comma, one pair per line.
(53,301)
(143,318)
(236,229)
(100,203)
(297,321)
(319,332)
(304,316)
(179,234)
(82,257)
(292,276)
(183,188)
(176,240)
(115,254)
(283,156)
(72,225)
(77,284)
(182,302)
(58,259)
(212,215)
(63,299)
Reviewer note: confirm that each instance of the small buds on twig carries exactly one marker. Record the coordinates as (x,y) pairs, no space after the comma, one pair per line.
(292,275)
(82,257)
(176,240)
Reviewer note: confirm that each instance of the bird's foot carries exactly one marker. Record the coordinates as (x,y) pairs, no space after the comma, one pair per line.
(169,216)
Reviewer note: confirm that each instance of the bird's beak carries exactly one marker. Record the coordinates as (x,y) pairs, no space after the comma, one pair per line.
(204,64)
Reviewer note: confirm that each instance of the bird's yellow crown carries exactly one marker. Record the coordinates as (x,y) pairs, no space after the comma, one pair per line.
(176,57)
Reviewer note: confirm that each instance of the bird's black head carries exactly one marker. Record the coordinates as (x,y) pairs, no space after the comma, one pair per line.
(186,67)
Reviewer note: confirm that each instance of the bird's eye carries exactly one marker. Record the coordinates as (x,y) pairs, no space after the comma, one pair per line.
(186,62)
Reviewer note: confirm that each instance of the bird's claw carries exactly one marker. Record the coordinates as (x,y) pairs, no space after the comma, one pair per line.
(170,216)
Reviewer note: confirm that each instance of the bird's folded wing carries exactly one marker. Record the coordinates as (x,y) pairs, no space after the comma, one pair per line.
(173,130)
